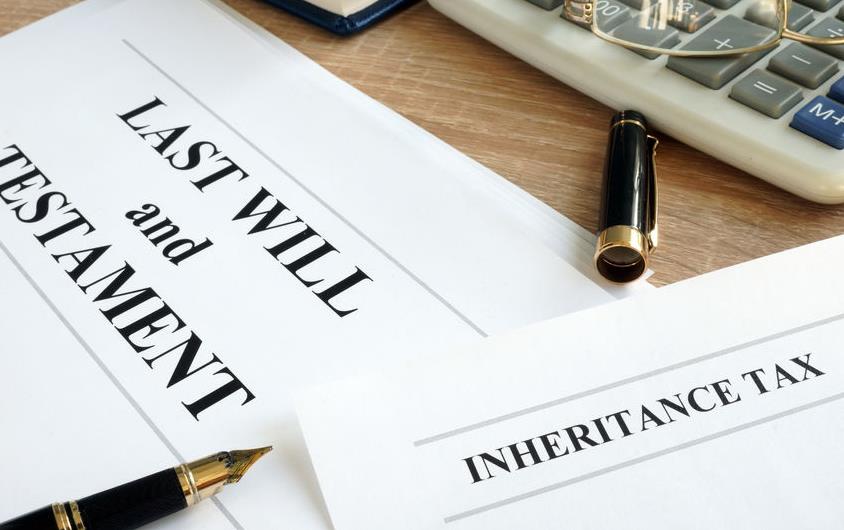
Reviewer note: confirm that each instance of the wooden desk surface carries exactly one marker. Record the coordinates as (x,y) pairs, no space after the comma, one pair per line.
(538,133)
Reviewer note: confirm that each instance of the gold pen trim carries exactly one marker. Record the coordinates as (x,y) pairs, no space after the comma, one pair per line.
(628,121)
(622,237)
(62,519)
(76,515)
(188,484)
(653,199)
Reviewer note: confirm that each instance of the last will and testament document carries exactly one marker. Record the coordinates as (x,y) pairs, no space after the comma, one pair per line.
(714,403)
(195,220)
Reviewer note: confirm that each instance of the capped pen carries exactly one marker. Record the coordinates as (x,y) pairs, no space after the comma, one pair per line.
(145,500)
(627,227)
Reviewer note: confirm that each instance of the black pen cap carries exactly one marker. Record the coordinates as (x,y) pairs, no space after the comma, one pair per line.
(627,228)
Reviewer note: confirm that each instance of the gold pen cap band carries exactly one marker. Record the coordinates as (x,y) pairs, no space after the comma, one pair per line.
(67,516)
(62,517)
(622,253)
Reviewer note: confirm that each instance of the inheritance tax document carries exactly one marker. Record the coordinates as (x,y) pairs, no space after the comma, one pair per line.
(196,221)
(714,403)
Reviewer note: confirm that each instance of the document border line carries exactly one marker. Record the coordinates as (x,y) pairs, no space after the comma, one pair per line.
(621,382)
(308,191)
(644,458)
(111,377)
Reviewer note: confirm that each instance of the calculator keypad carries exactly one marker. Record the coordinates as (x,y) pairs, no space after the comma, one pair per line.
(773,89)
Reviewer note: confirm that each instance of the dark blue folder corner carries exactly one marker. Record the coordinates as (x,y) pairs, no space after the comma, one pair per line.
(339,24)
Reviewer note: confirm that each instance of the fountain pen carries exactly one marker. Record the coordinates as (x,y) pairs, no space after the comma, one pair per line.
(145,500)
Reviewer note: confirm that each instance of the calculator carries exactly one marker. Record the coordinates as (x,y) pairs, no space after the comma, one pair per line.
(778,114)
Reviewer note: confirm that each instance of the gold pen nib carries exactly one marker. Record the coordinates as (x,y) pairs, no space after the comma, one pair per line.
(205,477)
(240,461)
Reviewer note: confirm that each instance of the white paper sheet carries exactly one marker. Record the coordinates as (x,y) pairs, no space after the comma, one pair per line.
(448,253)
(569,423)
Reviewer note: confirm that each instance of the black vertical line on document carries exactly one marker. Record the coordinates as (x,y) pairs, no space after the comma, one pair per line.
(111,377)
(308,191)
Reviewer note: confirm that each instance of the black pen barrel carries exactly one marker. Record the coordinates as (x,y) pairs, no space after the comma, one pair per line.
(627,174)
(124,507)
(627,222)
(35,520)
(133,504)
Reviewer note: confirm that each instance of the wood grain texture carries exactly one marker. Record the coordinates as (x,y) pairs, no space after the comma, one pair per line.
(538,133)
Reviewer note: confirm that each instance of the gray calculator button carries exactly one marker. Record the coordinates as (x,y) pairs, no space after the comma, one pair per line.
(819,5)
(611,14)
(644,5)
(547,4)
(635,4)
(729,32)
(766,93)
(803,65)
(829,28)
(722,4)
(690,15)
(632,31)
(799,16)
